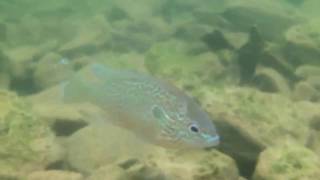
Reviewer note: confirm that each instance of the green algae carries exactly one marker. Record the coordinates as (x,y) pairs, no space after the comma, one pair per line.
(175,61)
(269,118)
(19,130)
(288,161)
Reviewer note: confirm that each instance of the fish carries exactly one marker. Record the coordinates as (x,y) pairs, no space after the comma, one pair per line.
(153,109)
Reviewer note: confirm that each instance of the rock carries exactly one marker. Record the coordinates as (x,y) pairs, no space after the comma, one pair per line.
(5,71)
(269,80)
(299,54)
(216,41)
(35,26)
(191,31)
(304,91)
(144,162)
(176,11)
(249,120)
(116,14)
(134,170)
(111,172)
(277,62)
(25,30)
(19,124)
(50,70)
(303,44)
(211,14)
(306,71)
(289,161)
(170,60)
(101,144)
(143,33)
(272,24)
(135,12)
(21,58)
(90,37)
(4,80)
(188,165)
(313,141)
(22,61)
(63,119)
(314,81)
(200,165)
(54,175)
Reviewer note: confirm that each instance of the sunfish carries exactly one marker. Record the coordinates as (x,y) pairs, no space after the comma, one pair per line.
(152,109)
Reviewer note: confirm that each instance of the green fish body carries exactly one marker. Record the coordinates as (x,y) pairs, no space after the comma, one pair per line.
(152,109)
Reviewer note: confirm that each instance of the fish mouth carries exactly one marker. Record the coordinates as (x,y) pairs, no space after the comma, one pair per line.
(213,140)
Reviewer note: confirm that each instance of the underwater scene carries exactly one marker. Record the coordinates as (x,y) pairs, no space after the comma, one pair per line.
(160,90)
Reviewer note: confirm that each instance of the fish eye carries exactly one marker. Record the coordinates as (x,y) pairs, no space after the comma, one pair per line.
(194,128)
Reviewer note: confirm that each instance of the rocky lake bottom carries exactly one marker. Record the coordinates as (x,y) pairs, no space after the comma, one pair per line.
(253,66)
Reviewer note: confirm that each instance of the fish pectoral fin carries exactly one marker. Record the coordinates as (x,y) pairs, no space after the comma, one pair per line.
(93,114)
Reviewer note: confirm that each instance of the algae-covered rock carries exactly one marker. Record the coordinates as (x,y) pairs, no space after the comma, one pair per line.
(304,91)
(269,118)
(216,40)
(5,71)
(54,175)
(191,31)
(129,169)
(200,165)
(309,87)
(186,165)
(303,45)
(89,37)
(172,61)
(289,161)
(314,138)
(134,10)
(269,80)
(249,120)
(314,81)
(138,35)
(306,71)
(50,71)
(26,142)
(21,57)
(22,60)
(272,21)
(100,144)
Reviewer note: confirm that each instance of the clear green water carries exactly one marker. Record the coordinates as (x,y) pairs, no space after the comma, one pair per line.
(253,66)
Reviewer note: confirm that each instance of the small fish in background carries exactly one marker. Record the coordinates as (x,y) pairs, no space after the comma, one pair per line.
(150,108)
